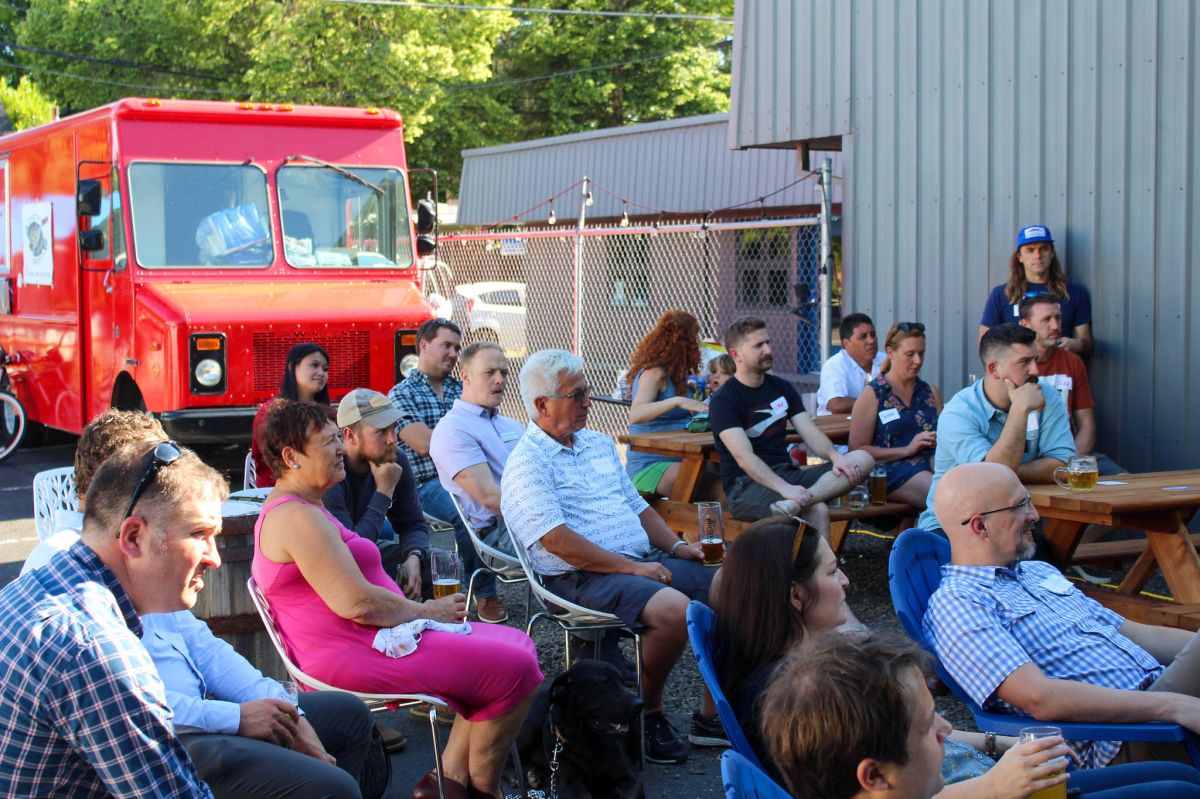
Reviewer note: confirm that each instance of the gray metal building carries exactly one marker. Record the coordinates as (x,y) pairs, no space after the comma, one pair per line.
(680,165)
(961,120)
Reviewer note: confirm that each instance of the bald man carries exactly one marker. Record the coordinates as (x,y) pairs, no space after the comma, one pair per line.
(1017,635)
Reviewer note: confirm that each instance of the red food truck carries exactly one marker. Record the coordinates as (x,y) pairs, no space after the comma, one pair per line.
(165,254)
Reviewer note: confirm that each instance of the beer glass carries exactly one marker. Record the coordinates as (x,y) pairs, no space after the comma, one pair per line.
(878,483)
(292,690)
(446,571)
(712,532)
(1035,733)
(1081,471)
(858,497)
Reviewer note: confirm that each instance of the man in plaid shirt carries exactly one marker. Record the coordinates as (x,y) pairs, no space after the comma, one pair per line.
(1015,634)
(83,711)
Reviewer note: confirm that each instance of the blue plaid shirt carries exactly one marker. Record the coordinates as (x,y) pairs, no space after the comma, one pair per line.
(83,712)
(414,398)
(984,622)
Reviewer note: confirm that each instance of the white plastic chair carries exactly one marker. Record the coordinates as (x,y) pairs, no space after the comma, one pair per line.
(372,701)
(250,473)
(53,490)
(507,568)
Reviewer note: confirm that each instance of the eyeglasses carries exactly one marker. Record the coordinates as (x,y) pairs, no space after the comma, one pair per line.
(578,396)
(910,327)
(164,454)
(1020,506)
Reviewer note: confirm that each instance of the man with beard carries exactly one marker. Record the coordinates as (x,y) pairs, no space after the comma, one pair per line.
(1016,634)
(1006,417)
(378,496)
(749,421)
(845,374)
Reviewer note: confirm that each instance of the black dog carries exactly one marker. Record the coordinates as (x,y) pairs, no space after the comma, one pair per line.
(593,722)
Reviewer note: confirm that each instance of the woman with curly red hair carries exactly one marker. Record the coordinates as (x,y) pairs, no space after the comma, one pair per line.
(660,366)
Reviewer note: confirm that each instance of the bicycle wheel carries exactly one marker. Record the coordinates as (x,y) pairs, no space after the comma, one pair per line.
(12,424)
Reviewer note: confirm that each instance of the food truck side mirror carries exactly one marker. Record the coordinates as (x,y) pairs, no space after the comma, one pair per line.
(87,198)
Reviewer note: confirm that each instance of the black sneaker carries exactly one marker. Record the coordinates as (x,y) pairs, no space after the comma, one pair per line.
(662,745)
(707,732)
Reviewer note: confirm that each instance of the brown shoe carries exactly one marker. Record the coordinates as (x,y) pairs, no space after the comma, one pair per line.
(491,610)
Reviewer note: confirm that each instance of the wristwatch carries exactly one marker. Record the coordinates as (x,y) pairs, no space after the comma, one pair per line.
(989,745)
(677,545)
(418,551)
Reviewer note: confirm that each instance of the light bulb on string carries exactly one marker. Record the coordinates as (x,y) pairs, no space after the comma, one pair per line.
(624,214)
(552,219)
(588,199)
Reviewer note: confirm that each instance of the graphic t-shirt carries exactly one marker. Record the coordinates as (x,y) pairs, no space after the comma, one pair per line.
(763,412)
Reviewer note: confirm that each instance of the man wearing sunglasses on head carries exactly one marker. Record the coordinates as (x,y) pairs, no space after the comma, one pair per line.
(1006,417)
(1017,635)
(83,711)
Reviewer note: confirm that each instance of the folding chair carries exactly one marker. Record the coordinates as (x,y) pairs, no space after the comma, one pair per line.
(249,473)
(506,568)
(53,490)
(701,627)
(573,618)
(373,701)
(745,780)
(914,573)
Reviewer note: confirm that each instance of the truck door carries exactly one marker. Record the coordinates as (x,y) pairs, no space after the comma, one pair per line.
(107,306)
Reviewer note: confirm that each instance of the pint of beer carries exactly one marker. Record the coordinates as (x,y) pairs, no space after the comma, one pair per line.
(446,571)
(878,483)
(1055,791)
(712,532)
(1081,472)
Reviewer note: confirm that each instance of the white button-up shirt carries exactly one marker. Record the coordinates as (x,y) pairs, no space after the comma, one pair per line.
(842,377)
(582,486)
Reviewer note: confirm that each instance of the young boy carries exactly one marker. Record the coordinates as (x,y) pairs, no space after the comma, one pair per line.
(720,369)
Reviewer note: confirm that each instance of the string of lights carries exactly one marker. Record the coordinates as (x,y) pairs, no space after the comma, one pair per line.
(578,12)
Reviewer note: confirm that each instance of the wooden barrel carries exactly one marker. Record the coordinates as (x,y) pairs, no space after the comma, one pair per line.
(225,604)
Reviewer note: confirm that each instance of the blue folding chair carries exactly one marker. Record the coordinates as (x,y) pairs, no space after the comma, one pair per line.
(701,626)
(914,573)
(744,780)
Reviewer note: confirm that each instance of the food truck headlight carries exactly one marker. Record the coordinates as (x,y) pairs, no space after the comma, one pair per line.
(208,373)
(407,364)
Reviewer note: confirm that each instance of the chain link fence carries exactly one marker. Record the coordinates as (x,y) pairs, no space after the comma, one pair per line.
(597,291)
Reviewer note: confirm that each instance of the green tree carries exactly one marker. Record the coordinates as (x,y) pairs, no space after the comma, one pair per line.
(24,104)
(660,68)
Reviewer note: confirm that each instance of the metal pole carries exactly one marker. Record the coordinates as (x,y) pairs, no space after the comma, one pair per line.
(826,265)
(578,321)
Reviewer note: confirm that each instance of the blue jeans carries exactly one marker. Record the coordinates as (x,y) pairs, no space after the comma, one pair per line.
(1153,780)
(436,502)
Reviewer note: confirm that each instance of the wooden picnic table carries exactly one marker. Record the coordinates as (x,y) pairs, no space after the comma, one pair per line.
(695,449)
(1161,504)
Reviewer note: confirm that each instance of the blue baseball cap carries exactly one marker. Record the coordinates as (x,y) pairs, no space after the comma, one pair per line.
(1033,233)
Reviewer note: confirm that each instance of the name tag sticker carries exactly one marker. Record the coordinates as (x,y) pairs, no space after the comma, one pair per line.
(1179,488)
(889,415)
(1057,583)
(511,435)
(779,404)
(1111,483)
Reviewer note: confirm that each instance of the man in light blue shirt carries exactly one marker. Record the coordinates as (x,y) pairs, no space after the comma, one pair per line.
(241,728)
(1006,418)
(472,442)
(569,502)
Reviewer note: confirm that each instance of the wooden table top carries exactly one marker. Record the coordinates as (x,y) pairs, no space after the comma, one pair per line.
(837,427)
(1148,491)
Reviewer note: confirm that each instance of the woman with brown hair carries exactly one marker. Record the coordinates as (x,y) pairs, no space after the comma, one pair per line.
(331,596)
(1034,268)
(896,421)
(780,583)
(660,365)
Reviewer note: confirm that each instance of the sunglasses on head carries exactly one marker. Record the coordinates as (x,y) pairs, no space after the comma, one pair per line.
(801,527)
(163,454)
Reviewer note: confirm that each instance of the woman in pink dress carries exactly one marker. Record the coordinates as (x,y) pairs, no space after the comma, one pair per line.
(330,595)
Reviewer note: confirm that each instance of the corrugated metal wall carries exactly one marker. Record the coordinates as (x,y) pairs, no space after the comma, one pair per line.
(969,119)
(679,165)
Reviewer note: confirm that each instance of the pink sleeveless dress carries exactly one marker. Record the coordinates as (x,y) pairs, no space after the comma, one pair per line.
(482,675)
